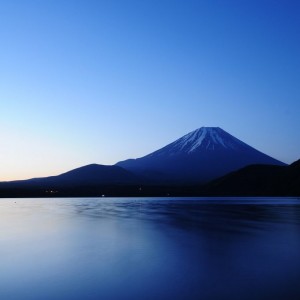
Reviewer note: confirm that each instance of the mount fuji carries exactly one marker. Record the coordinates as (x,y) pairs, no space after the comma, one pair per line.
(197,157)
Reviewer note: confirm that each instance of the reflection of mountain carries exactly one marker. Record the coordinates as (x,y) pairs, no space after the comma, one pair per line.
(199,156)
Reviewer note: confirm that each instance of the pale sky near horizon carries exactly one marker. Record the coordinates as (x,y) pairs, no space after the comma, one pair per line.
(102,81)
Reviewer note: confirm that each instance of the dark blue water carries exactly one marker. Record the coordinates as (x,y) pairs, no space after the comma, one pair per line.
(135,248)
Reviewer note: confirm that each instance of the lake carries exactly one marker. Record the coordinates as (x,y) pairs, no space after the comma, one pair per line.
(150,248)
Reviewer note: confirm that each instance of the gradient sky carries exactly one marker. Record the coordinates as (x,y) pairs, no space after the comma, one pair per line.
(101,81)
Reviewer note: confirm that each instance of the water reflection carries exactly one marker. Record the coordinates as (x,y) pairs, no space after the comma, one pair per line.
(196,215)
(149,249)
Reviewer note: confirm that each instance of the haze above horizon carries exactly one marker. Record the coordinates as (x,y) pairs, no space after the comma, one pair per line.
(101,81)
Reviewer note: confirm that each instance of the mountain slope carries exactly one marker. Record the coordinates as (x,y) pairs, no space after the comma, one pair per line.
(89,175)
(258,180)
(199,156)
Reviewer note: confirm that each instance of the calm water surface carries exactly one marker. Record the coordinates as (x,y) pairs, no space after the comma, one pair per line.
(150,248)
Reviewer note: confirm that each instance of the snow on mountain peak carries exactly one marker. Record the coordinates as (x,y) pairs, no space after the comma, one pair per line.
(208,138)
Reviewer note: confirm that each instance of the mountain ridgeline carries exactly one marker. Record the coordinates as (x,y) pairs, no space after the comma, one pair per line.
(197,157)
(204,162)
(89,175)
(257,180)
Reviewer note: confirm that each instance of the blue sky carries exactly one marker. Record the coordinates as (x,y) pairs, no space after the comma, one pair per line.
(101,81)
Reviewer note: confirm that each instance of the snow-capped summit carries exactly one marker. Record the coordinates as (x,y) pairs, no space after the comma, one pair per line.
(201,155)
(204,138)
